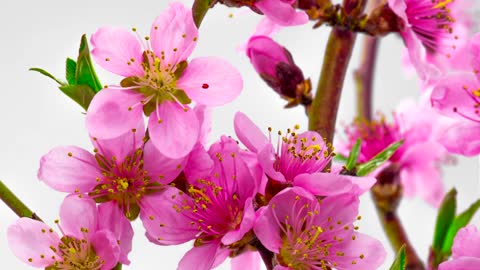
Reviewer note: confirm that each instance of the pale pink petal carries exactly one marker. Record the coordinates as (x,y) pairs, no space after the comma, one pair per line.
(114,220)
(30,239)
(338,210)
(114,112)
(399,7)
(106,248)
(211,81)
(425,70)
(461,138)
(329,184)
(453,96)
(159,167)
(174,35)
(281,267)
(74,207)
(115,48)
(199,164)
(248,133)
(281,12)
(245,226)
(465,263)
(174,130)
(203,257)
(467,243)
(250,260)
(204,115)
(162,217)
(69,169)
(267,27)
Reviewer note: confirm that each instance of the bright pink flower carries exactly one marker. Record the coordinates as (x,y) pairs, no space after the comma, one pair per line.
(124,170)
(465,250)
(216,210)
(99,239)
(305,233)
(159,82)
(432,31)
(298,160)
(419,156)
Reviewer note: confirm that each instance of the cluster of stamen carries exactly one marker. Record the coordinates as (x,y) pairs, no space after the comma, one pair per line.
(475,97)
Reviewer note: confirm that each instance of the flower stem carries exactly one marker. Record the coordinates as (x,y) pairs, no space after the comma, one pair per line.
(364,78)
(15,203)
(323,112)
(199,9)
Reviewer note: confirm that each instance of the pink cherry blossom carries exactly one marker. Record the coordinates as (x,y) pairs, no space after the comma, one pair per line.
(420,155)
(100,239)
(432,31)
(297,159)
(124,170)
(305,233)
(465,250)
(158,81)
(217,210)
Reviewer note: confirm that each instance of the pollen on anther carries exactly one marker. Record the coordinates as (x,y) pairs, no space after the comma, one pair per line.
(160,121)
(70,154)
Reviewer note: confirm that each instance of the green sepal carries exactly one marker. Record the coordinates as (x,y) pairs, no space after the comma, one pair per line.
(46,73)
(85,73)
(400,261)
(82,94)
(445,217)
(181,96)
(129,82)
(353,157)
(369,166)
(132,212)
(149,108)
(71,69)
(340,158)
(180,68)
(459,222)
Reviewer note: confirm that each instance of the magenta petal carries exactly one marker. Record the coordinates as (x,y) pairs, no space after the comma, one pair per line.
(113,220)
(174,130)
(69,169)
(203,257)
(248,133)
(114,112)
(399,7)
(211,81)
(106,247)
(282,12)
(161,168)
(74,207)
(250,260)
(199,164)
(325,184)
(267,159)
(467,243)
(114,49)
(338,210)
(280,267)
(267,231)
(174,34)
(372,250)
(465,263)
(461,138)
(164,224)
(29,239)
(245,226)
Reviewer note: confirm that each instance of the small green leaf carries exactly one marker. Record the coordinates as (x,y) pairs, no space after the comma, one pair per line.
(445,217)
(459,222)
(400,261)
(71,69)
(379,159)
(48,75)
(82,94)
(353,157)
(85,73)
(340,158)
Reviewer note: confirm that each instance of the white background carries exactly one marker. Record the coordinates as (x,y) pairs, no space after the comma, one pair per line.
(35,116)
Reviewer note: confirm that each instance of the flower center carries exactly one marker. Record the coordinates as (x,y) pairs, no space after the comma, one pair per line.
(77,254)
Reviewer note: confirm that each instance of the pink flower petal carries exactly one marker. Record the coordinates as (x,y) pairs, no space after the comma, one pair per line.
(164,224)
(282,12)
(425,70)
(399,7)
(74,207)
(467,243)
(30,239)
(465,263)
(250,260)
(174,130)
(199,164)
(338,210)
(267,159)
(203,257)
(204,115)
(280,267)
(106,247)
(69,169)
(174,33)
(245,226)
(114,49)
(267,231)
(114,220)
(114,112)
(248,133)
(211,81)
(461,138)
(161,168)
(329,184)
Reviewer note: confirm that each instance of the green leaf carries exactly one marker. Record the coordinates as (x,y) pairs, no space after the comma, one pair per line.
(459,222)
(71,69)
(199,9)
(82,94)
(48,75)
(400,261)
(379,159)
(353,157)
(85,73)
(445,217)
(340,158)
